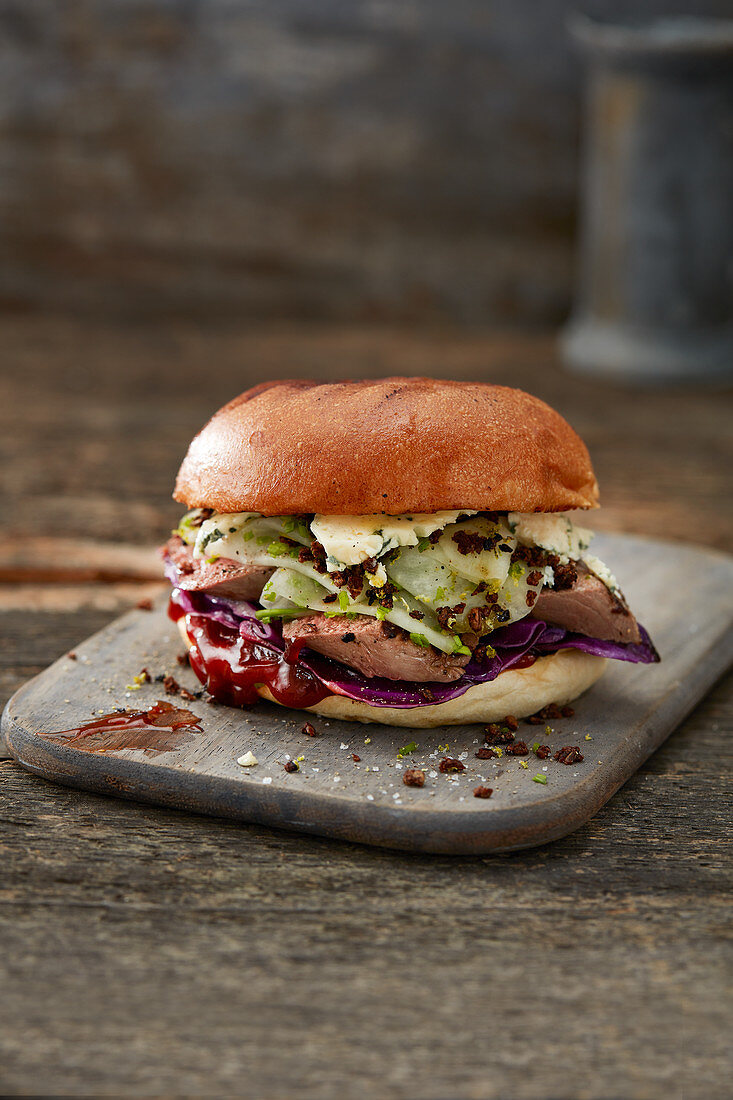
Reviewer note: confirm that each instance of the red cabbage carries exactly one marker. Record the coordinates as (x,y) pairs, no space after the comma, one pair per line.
(511,643)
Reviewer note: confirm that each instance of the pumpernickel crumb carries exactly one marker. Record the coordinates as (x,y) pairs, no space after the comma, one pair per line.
(144,605)
(449,764)
(483,792)
(569,754)
(171,685)
(414,777)
(551,712)
(485,753)
(309,730)
(519,748)
(542,752)
(495,734)
(291,766)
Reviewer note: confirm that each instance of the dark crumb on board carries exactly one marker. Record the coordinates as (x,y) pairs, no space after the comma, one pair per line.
(143,676)
(144,604)
(291,766)
(449,764)
(182,659)
(551,712)
(496,734)
(485,753)
(519,748)
(569,754)
(414,777)
(483,792)
(171,685)
(71,655)
(186,694)
(542,752)
(355,758)
(309,730)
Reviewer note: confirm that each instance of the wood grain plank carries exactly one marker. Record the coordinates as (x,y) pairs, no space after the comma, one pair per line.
(593,967)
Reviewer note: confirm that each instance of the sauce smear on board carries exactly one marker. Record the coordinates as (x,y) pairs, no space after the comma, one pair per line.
(161,728)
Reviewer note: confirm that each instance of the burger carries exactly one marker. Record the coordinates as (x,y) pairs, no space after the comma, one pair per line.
(405,551)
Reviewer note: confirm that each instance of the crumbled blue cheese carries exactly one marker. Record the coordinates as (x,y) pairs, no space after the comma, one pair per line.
(218,535)
(350,540)
(599,569)
(553,531)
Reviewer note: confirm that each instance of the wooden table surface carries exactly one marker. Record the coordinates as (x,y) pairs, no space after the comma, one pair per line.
(151,953)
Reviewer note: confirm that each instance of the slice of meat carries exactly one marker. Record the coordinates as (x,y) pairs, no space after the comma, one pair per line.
(588,607)
(362,643)
(223,577)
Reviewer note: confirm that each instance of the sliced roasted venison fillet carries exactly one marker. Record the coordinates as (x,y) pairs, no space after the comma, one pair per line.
(223,577)
(588,607)
(374,648)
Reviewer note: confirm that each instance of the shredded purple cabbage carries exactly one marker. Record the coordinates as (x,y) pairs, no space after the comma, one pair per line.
(511,643)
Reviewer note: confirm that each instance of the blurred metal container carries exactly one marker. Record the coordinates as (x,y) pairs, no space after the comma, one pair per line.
(654,301)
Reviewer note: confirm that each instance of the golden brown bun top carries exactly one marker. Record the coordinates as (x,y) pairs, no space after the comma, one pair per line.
(394,445)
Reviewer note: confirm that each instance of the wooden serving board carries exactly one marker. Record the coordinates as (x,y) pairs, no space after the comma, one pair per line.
(683,595)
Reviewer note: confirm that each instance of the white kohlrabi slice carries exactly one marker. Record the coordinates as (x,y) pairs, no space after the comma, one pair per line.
(426,576)
(285,584)
(294,588)
(513,593)
(489,566)
(553,531)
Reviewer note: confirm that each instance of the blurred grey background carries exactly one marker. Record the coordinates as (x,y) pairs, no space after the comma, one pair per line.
(335,160)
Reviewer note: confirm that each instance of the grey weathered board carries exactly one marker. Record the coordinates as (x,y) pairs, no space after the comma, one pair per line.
(684,596)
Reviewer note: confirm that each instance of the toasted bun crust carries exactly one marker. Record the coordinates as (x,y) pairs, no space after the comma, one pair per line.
(394,445)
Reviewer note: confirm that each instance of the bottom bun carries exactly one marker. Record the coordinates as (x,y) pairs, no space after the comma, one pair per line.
(559,678)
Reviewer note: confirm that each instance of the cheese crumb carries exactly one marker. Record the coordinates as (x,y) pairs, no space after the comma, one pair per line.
(248,760)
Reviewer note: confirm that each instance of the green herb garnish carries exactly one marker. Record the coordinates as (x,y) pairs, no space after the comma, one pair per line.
(420,639)
(269,613)
(343,600)
(281,550)
(407,750)
(540,779)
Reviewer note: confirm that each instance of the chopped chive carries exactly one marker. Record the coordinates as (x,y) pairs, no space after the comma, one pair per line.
(540,779)
(269,613)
